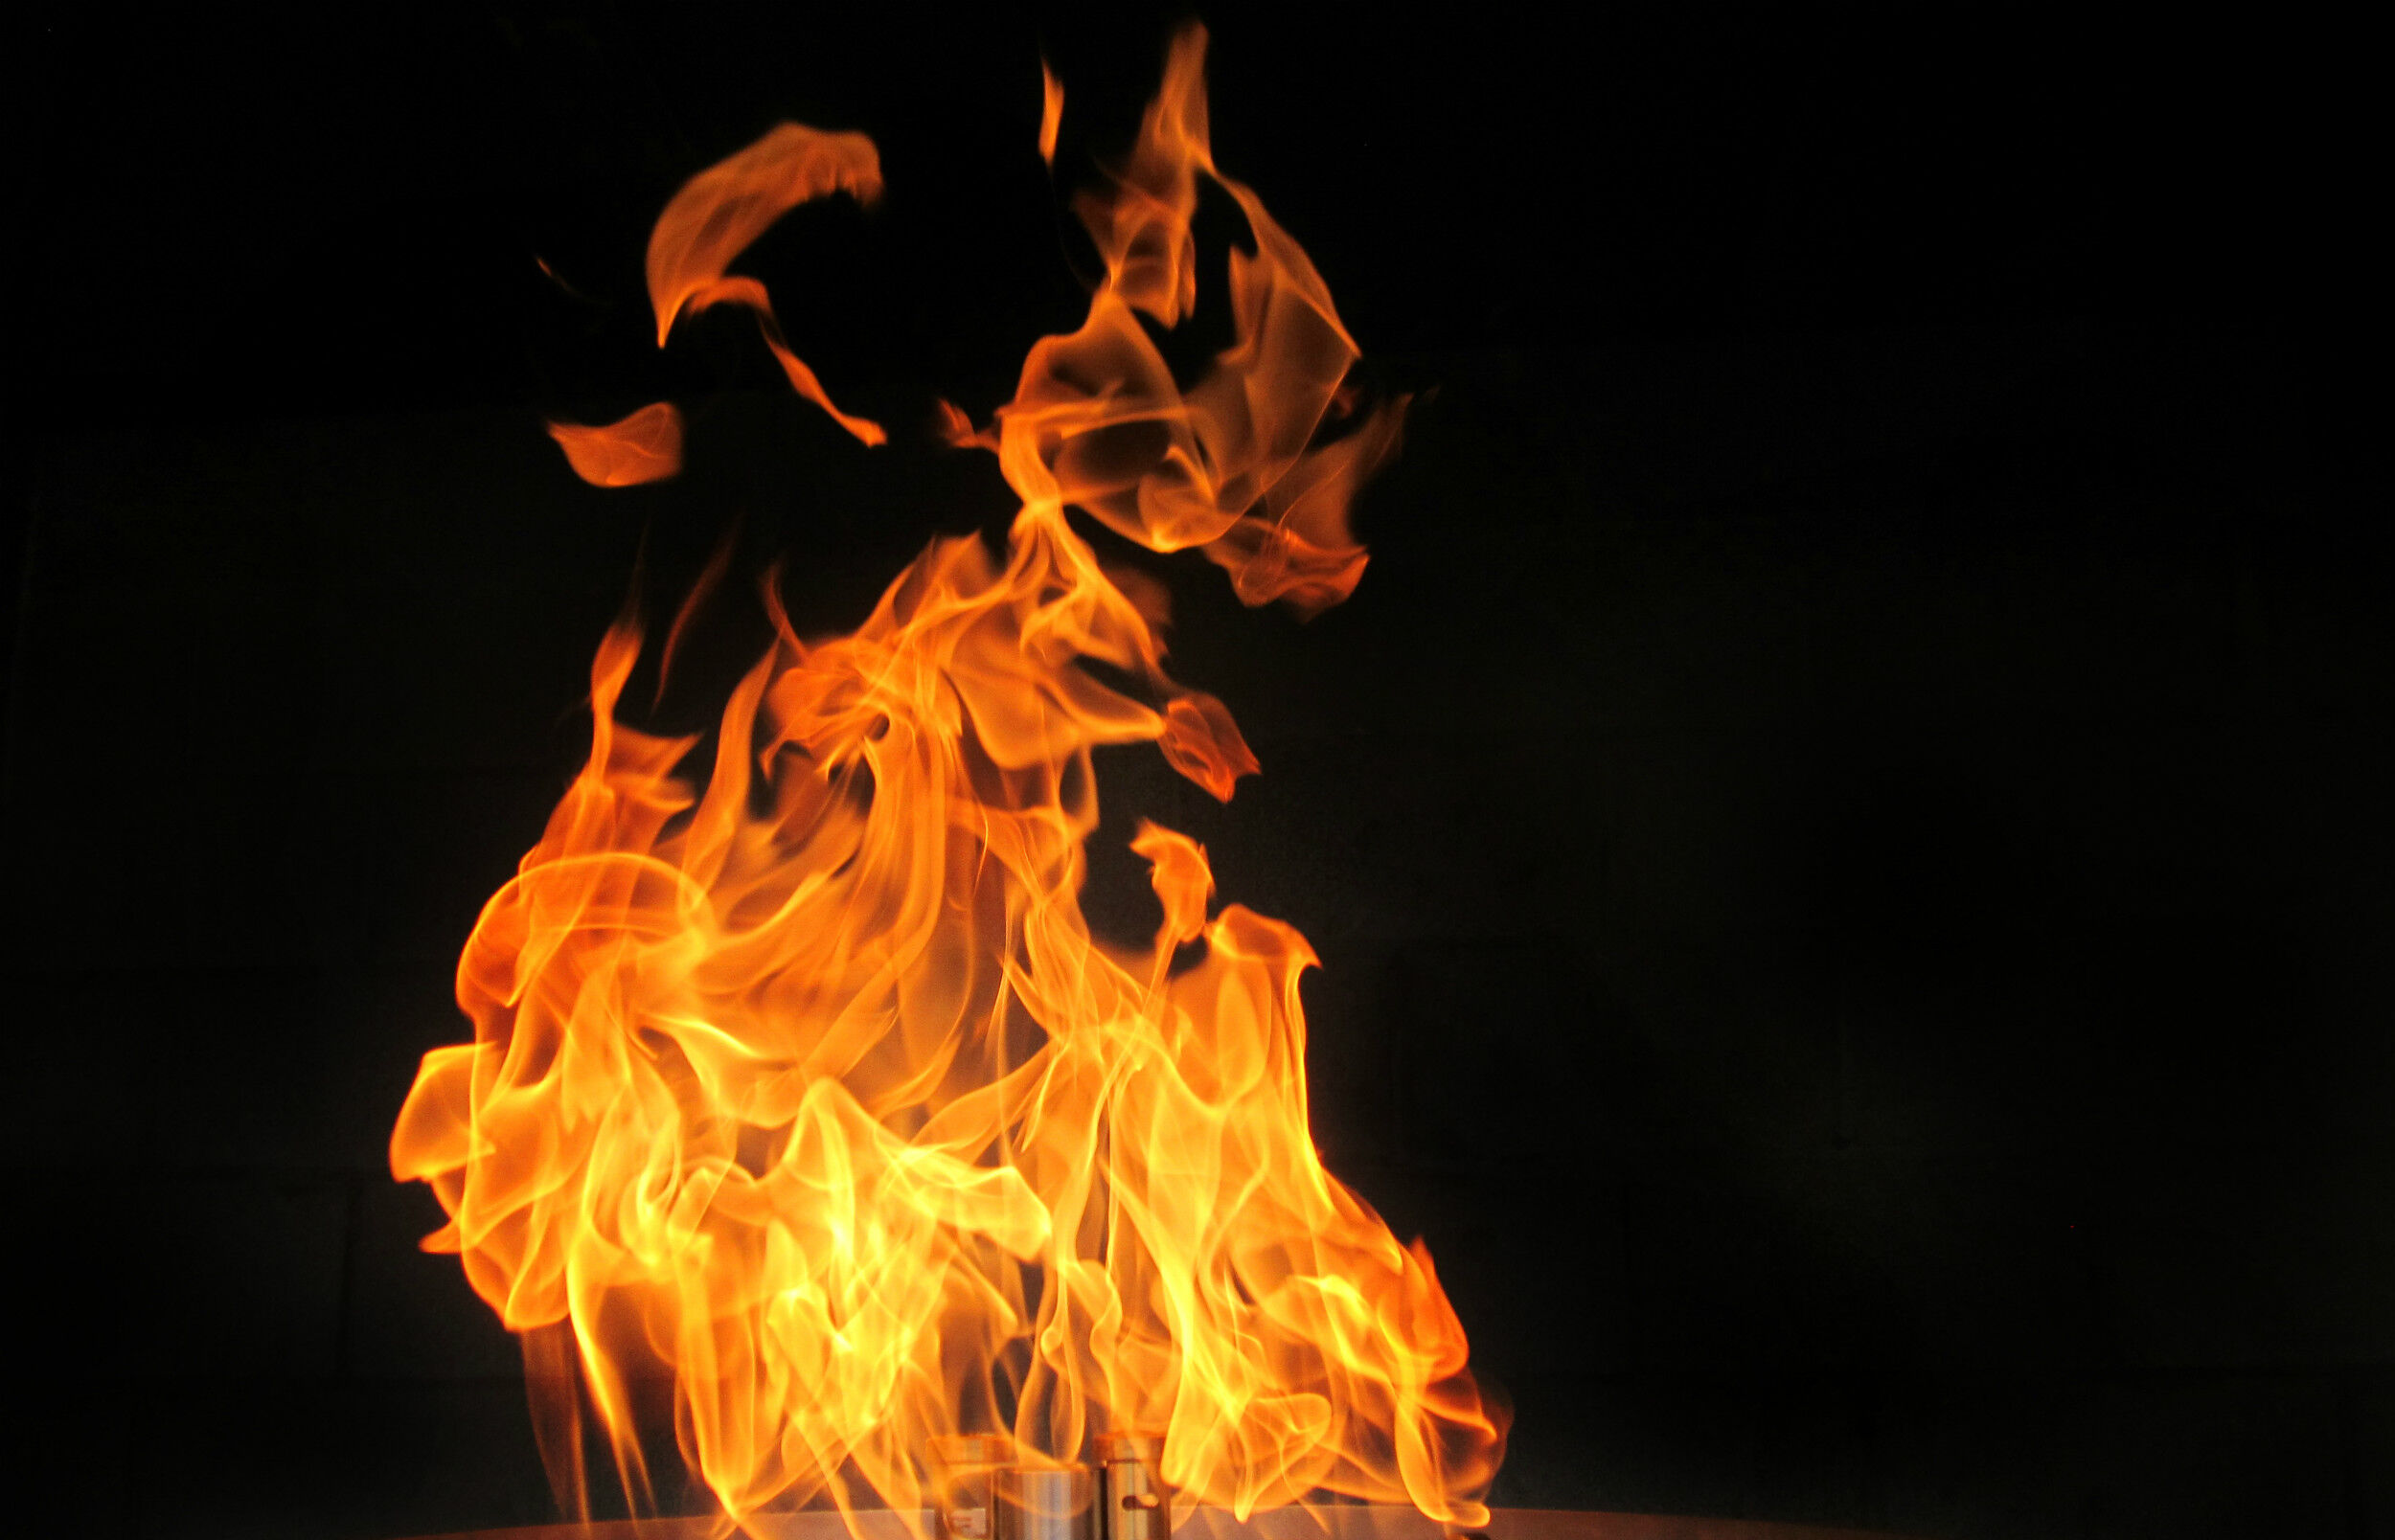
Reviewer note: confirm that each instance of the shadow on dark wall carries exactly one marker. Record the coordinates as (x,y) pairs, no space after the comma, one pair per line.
(1845,824)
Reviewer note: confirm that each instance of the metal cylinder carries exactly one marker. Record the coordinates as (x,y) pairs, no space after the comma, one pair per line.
(1045,1503)
(962,1467)
(1137,1505)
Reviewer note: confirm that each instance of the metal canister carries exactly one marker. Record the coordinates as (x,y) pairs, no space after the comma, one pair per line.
(1137,1505)
(1045,1503)
(963,1468)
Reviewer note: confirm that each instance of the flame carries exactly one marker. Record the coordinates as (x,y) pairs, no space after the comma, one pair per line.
(646,447)
(810,1091)
(1051,111)
(719,211)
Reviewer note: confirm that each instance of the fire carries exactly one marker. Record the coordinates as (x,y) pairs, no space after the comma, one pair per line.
(723,209)
(644,447)
(810,1092)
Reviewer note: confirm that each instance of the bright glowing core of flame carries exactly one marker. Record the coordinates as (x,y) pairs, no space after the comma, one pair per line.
(804,1111)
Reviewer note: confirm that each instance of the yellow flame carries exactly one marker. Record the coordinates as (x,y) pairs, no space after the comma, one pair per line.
(810,1092)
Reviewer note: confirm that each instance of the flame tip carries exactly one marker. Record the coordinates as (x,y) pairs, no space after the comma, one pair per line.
(1051,111)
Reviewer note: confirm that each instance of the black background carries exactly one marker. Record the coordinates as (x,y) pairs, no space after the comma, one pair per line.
(1845,825)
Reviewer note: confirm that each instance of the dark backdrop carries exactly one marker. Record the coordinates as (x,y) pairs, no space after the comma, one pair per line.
(1845,825)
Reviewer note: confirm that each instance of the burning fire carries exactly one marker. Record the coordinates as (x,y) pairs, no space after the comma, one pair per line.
(810,1093)
(644,447)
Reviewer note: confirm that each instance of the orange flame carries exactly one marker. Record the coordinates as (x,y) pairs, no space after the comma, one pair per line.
(646,447)
(719,211)
(812,1093)
(1051,111)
